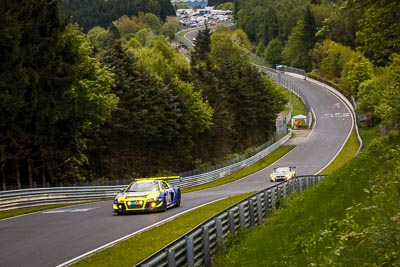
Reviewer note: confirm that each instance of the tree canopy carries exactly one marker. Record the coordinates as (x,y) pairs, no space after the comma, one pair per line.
(53,93)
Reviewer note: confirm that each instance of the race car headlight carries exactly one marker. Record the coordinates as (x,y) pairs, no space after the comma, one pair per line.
(152,199)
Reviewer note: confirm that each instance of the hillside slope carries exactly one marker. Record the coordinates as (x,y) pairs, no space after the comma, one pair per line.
(352,218)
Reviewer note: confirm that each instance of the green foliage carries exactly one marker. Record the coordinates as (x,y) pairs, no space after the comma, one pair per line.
(245,103)
(295,52)
(62,94)
(356,70)
(381,94)
(224,6)
(158,115)
(145,36)
(218,2)
(100,38)
(153,22)
(351,217)
(126,25)
(378,96)
(273,53)
(330,58)
(170,27)
(202,47)
(301,40)
(379,29)
(126,254)
(91,13)
(265,20)
(335,23)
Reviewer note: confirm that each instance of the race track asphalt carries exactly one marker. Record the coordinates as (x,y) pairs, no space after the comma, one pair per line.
(51,238)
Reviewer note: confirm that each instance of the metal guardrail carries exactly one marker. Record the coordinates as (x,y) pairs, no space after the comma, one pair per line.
(276,75)
(203,178)
(43,196)
(197,247)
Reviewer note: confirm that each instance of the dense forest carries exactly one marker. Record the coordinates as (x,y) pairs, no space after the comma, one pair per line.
(351,44)
(91,13)
(110,98)
(119,101)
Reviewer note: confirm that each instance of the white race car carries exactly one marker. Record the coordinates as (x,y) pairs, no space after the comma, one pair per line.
(282,174)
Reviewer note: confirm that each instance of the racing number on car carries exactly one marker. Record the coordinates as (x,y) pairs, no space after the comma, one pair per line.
(168,196)
(167,192)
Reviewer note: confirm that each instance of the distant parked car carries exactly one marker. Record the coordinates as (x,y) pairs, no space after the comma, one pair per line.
(282,174)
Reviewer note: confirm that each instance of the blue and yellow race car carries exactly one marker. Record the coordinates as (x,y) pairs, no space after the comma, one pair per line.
(148,194)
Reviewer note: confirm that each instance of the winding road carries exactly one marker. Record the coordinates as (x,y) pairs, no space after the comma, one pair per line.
(54,237)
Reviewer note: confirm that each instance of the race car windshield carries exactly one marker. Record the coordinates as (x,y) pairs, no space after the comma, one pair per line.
(283,169)
(138,187)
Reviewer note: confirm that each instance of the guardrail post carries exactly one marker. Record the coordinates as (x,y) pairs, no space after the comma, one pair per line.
(279,194)
(232,222)
(251,212)
(171,258)
(284,187)
(220,233)
(300,184)
(267,203)
(206,247)
(190,251)
(259,208)
(242,217)
(273,197)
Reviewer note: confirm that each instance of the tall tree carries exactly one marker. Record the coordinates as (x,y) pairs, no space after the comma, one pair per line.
(202,47)
(381,95)
(241,98)
(273,53)
(152,130)
(379,32)
(295,53)
(59,93)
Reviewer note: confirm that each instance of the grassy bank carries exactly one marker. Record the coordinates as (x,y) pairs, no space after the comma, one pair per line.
(351,218)
(346,155)
(139,247)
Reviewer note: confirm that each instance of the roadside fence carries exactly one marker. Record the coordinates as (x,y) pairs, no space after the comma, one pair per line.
(196,247)
(22,198)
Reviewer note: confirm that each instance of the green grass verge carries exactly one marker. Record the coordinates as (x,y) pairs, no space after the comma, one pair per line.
(346,155)
(271,158)
(141,246)
(352,218)
(298,105)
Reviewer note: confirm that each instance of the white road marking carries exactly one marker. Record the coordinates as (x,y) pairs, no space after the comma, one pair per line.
(130,235)
(335,115)
(69,210)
